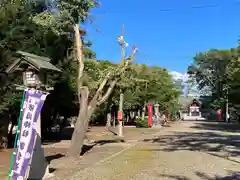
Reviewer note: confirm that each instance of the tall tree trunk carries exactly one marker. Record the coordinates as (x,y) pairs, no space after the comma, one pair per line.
(4,132)
(81,126)
(114,120)
(10,136)
(168,116)
(87,109)
(108,124)
(139,113)
(132,114)
(144,111)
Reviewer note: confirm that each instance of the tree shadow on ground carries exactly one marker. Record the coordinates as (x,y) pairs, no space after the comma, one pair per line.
(204,176)
(175,177)
(67,135)
(208,142)
(218,126)
(232,176)
(102,142)
(55,156)
(85,149)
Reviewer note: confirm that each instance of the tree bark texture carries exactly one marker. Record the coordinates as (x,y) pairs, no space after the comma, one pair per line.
(81,126)
(108,124)
(4,132)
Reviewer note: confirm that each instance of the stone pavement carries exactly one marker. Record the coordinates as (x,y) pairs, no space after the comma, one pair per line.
(179,152)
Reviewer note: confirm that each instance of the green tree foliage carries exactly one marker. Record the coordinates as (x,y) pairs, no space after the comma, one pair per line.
(27,26)
(217,71)
(33,27)
(140,84)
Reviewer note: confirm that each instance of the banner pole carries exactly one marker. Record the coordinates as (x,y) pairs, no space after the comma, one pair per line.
(30,166)
(16,137)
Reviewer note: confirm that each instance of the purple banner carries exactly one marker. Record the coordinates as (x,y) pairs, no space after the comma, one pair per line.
(33,104)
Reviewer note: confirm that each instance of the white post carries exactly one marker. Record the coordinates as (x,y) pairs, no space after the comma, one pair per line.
(156,113)
(108,124)
(227,111)
(120,125)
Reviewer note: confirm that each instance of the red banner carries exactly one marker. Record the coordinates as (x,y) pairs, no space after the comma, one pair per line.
(149,115)
(119,116)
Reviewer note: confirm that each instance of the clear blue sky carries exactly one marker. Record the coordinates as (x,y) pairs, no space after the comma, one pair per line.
(165,38)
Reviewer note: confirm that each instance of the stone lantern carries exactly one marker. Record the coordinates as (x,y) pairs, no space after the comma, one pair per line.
(33,68)
(156,114)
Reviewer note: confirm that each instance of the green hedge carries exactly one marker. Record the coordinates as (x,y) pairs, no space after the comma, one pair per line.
(142,123)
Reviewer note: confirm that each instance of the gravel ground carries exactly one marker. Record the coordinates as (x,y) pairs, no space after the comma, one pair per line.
(179,153)
(67,167)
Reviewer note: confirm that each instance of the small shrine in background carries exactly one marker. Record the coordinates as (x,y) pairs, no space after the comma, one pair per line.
(194,108)
(190,106)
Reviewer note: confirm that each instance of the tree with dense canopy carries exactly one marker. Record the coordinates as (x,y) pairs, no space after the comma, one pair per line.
(217,72)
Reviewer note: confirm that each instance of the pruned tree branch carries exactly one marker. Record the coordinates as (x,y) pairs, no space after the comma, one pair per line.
(97,100)
(79,48)
(102,85)
(130,58)
(114,82)
(108,92)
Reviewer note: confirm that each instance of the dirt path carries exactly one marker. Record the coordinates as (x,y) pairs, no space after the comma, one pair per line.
(183,151)
(55,151)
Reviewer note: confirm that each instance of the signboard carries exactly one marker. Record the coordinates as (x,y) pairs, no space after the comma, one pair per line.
(150,115)
(32,106)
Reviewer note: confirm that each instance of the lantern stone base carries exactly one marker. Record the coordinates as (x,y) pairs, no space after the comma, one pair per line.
(39,166)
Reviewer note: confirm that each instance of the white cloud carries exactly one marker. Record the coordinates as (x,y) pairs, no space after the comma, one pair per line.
(188,89)
(176,75)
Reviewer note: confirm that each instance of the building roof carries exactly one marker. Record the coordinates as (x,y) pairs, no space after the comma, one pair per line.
(39,62)
(186,101)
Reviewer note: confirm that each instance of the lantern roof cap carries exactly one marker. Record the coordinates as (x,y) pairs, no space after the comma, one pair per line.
(38,62)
